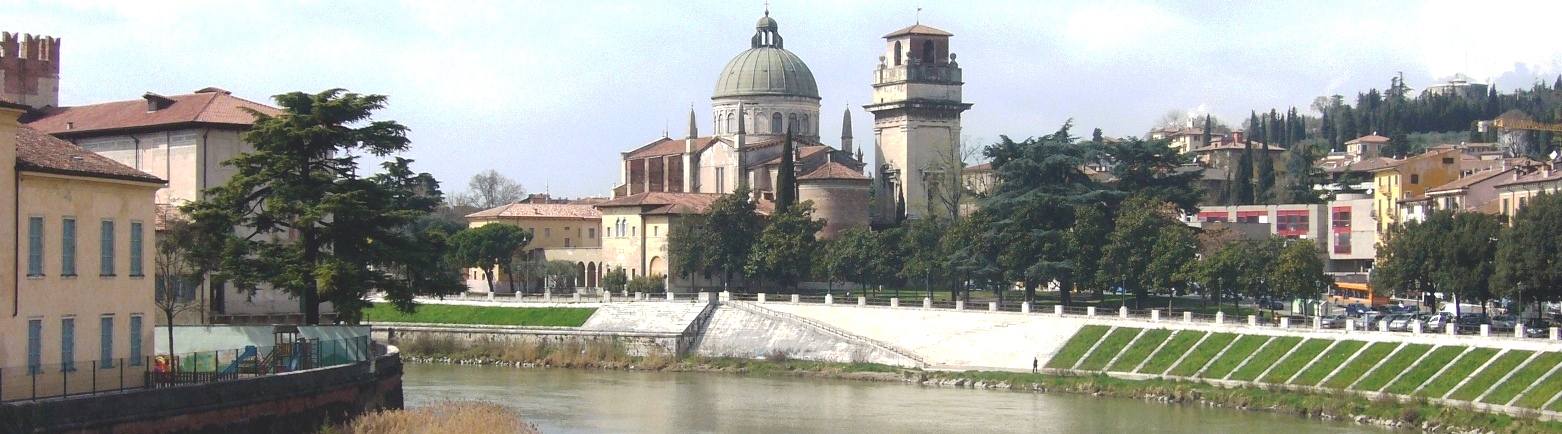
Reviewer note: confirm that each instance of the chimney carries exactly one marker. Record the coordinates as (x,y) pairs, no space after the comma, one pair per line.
(1239,136)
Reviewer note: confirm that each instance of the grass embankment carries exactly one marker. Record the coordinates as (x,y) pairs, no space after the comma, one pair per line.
(1548,388)
(447,417)
(482,315)
(1328,362)
(1460,370)
(1136,353)
(1392,366)
(1108,348)
(1360,365)
(1239,351)
(1489,376)
(1077,346)
(1523,378)
(1265,358)
(1304,354)
(1179,344)
(1418,374)
(1202,354)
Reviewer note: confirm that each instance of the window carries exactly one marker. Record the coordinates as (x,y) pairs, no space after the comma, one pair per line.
(135,250)
(1342,242)
(107,342)
(656,230)
(566,242)
(730,128)
(775,123)
(547,232)
(1415,178)
(608,230)
(591,233)
(68,344)
(928,52)
(791,123)
(1448,160)
(806,127)
(631,232)
(34,346)
(897,53)
(35,246)
(135,340)
(107,268)
(68,247)
(721,180)
(1342,218)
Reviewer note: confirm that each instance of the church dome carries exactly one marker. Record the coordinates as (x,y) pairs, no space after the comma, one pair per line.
(766,68)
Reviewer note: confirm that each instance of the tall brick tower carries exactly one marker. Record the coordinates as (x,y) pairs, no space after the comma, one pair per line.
(916,122)
(30,69)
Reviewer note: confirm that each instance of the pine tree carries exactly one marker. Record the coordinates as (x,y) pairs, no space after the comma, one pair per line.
(1206,130)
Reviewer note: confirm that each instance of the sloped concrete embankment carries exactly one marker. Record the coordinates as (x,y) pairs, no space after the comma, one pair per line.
(741,329)
(950,340)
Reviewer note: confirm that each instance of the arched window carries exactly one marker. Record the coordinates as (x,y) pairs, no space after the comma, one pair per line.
(791,124)
(730,129)
(775,123)
(807,127)
(897,53)
(927,52)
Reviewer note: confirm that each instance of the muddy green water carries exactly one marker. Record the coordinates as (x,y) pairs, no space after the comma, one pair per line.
(568,401)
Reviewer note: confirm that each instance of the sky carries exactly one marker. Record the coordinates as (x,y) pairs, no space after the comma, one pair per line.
(550,92)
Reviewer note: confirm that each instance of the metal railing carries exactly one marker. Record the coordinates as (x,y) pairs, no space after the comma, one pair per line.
(30,382)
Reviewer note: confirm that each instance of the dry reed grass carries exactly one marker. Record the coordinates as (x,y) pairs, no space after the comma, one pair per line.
(448,417)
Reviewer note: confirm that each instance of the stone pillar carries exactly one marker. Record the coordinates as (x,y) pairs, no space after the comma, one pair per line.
(927,303)
(1122,312)
(1383,326)
(894,302)
(761,298)
(829,299)
(671,297)
(1350,325)
(1518,330)
(1252,320)
(992,306)
(959,304)
(705,297)
(1453,328)
(546,296)
(517,295)
(1285,322)
(862,301)
(1220,317)
(490,296)
(1025,307)
(1155,315)
(1090,311)
(1317,323)
(1057,309)
(607,296)
(1187,317)
(796,299)
(1485,330)
(1415,327)
(639,296)
(726,296)
(576,297)
(1556,333)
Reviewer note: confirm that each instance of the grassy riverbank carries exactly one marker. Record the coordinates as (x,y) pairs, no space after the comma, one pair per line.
(1418,413)
(448,417)
(482,315)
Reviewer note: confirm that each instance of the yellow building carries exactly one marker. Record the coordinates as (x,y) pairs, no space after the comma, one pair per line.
(635,230)
(1410,177)
(559,232)
(79,254)
(1524,183)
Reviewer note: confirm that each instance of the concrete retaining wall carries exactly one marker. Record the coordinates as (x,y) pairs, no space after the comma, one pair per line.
(293,402)
(738,330)
(635,343)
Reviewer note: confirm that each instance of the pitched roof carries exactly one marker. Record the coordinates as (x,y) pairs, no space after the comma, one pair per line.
(1238,146)
(210,106)
(539,210)
(918,29)
(1370,138)
(668,146)
(1541,175)
(1468,181)
(833,170)
(803,152)
(984,167)
(39,152)
(657,202)
(1366,165)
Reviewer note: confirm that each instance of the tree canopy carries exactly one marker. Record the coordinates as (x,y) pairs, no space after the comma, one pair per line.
(310,225)
(1526,262)
(785,249)
(488,189)
(490,248)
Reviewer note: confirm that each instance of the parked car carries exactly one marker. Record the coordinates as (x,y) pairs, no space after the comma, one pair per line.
(1400,322)
(1537,328)
(1400,308)
(1437,321)
(1356,309)
(1504,322)
(1332,321)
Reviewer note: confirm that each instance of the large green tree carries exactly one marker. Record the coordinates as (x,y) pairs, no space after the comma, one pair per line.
(490,248)
(853,256)
(1449,252)
(310,224)
(923,257)
(1528,252)
(1175,246)
(1085,240)
(1298,271)
(1154,169)
(720,241)
(1126,258)
(1242,178)
(786,247)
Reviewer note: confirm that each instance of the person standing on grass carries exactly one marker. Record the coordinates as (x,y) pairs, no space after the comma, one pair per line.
(1035,364)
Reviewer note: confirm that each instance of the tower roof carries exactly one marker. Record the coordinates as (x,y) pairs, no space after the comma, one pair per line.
(918,29)
(766,68)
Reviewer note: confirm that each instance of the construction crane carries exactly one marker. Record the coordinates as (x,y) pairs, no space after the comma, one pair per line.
(1518,124)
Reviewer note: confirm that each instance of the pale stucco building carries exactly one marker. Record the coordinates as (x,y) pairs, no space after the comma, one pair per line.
(560,231)
(76,262)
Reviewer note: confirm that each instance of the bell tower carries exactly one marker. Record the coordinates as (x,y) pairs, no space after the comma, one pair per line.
(916,123)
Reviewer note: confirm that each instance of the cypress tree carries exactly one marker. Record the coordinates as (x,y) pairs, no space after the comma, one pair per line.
(1242,180)
(1263,192)
(1206,129)
(786,176)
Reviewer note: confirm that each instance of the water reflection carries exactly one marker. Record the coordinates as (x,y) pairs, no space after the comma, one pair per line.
(564,401)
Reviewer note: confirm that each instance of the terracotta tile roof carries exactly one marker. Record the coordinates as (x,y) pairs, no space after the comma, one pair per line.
(1370,138)
(918,29)
(1490,207)
(657,202)
(666,146)
(984,167)
(1467,181)
(209,106)
(833,170)
(539,210)
(39,152)
(1238,146)
(1535,177)
(803,152)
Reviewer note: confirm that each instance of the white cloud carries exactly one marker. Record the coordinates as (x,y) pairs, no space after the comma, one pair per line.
(1486,39)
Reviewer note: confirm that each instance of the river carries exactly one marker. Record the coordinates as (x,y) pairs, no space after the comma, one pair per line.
(570,401)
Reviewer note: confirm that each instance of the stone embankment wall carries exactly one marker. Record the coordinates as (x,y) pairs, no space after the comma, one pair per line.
(292,402)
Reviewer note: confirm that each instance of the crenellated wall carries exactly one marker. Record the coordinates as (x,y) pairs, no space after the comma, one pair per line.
(30,69)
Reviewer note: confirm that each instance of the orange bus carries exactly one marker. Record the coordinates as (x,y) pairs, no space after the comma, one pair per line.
(1347,293)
